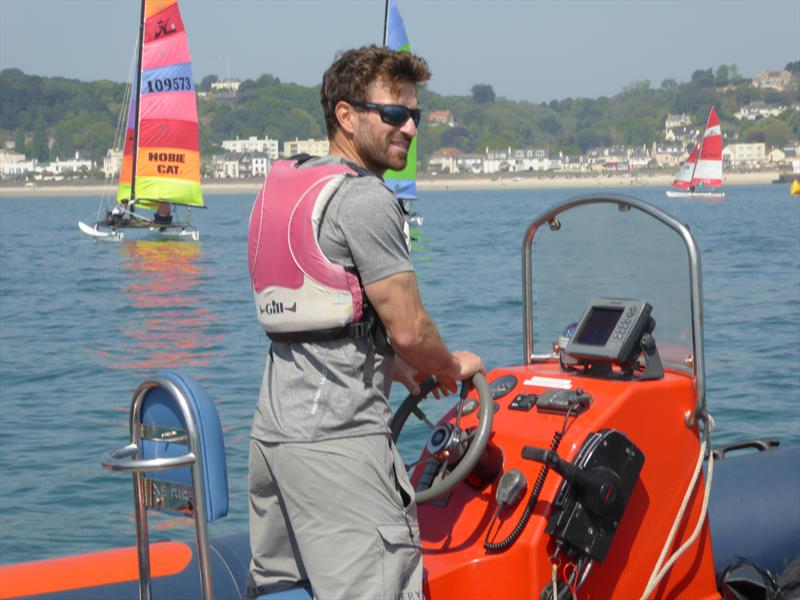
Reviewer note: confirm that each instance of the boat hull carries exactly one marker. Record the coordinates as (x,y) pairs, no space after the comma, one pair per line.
(95,232)
(697,195)
(101,231)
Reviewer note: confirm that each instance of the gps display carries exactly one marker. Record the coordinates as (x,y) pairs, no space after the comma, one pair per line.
(610,330)
(599,326)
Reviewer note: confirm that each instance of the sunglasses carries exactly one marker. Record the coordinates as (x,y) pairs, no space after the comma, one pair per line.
(392,114)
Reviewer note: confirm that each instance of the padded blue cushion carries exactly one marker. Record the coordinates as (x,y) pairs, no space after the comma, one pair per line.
(754,508)
(160,408)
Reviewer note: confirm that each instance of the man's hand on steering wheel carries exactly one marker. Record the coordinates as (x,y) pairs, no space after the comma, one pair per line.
(469,363)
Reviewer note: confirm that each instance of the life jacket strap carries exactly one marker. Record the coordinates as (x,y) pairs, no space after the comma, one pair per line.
(371,329)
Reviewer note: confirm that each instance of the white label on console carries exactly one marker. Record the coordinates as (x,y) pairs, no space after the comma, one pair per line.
(549,382)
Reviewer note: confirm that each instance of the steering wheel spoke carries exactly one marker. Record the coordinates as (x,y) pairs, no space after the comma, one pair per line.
(420,414)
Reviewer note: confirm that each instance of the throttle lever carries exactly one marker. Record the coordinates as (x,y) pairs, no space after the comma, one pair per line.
(599,487)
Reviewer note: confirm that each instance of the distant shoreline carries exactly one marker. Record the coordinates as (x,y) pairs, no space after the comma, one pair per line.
(426,184)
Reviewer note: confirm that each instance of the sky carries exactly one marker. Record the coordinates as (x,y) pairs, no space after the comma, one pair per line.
(533,50)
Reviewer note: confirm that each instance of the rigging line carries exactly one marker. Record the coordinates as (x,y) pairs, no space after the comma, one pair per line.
(138,100)
(120,130)
(386,24)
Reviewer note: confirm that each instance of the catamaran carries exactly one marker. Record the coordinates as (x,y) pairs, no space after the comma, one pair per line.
(161,155)
(703,169)
(404,182)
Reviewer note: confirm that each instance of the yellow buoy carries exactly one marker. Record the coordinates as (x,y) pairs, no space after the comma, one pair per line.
(794,190)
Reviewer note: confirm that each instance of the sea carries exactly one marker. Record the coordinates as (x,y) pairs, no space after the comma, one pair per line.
(83,323)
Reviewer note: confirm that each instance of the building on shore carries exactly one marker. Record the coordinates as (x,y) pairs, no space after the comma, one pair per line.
(252,144)
(745,156)
(112,163)
(310,146)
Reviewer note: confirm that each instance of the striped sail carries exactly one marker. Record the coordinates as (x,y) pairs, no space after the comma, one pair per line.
(704,170)
(403,183)
(168,153)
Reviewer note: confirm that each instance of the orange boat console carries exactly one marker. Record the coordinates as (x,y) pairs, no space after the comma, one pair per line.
(650,416)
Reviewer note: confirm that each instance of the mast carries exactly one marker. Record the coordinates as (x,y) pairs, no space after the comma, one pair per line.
(137,91)
(386,23)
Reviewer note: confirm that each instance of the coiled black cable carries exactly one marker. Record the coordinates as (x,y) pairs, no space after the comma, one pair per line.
(534,497)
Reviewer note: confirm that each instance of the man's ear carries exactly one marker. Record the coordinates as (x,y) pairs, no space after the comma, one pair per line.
(345,115)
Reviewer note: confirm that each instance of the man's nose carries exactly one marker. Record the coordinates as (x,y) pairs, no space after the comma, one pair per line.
(409,127)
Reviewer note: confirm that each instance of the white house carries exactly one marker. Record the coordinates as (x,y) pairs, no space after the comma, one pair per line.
(14,165)
(312,147)
(253,164)
(670,155)
(676,122)
(516,160)
(260,164)
(73,165)
(469,163)
(758,110)
(228,86)
(252,144)
(745,155)
(529,159)
(112,163)
(225,166)
(444,160)
(639,157)
(569,162)
(495,161)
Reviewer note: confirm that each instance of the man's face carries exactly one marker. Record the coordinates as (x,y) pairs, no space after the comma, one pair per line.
(382,146)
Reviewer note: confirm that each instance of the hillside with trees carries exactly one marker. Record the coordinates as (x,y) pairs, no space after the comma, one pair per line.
(48,118)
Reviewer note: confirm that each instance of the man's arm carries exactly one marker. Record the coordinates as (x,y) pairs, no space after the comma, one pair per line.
(413,334)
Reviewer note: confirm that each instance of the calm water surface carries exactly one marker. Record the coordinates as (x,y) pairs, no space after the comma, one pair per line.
(83,323)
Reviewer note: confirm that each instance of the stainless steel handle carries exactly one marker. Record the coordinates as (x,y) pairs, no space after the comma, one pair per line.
(122,459)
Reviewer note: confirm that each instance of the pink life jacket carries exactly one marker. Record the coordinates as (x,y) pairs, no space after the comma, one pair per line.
(300,295)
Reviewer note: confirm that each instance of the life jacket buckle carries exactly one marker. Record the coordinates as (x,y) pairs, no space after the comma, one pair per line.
(360,330)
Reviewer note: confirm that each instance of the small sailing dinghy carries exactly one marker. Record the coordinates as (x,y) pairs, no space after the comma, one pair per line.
(161,157)
(403,183)
(703,169)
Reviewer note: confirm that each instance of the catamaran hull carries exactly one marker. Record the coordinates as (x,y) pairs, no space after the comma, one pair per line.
(752,512)
(102,232)
(699,195)
(95,232)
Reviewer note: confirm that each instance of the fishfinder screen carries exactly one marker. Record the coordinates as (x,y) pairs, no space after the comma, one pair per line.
(609,330)
(599,325)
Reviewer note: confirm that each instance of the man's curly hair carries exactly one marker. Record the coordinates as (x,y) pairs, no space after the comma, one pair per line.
(354,70)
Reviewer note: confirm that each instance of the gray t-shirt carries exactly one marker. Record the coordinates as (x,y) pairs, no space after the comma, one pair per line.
(316,391)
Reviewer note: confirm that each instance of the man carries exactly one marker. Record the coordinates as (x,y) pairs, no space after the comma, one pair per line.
(330,501)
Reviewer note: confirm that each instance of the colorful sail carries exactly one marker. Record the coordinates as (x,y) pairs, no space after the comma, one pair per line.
(404,182)
(684,177)
(704,170)
(168,153)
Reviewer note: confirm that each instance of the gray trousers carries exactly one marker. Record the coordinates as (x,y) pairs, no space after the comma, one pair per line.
(332,513)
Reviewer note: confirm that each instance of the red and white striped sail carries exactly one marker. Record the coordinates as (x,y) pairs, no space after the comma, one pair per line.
(705,170)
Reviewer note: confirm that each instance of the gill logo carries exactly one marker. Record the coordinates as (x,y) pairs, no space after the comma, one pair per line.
(276,308)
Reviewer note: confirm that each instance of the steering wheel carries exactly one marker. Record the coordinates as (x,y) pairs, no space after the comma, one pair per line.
(447,443)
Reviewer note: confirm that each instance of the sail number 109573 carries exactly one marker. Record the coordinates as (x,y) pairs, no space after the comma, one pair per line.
(169,84)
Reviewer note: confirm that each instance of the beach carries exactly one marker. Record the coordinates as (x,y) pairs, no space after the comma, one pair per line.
(519,181)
